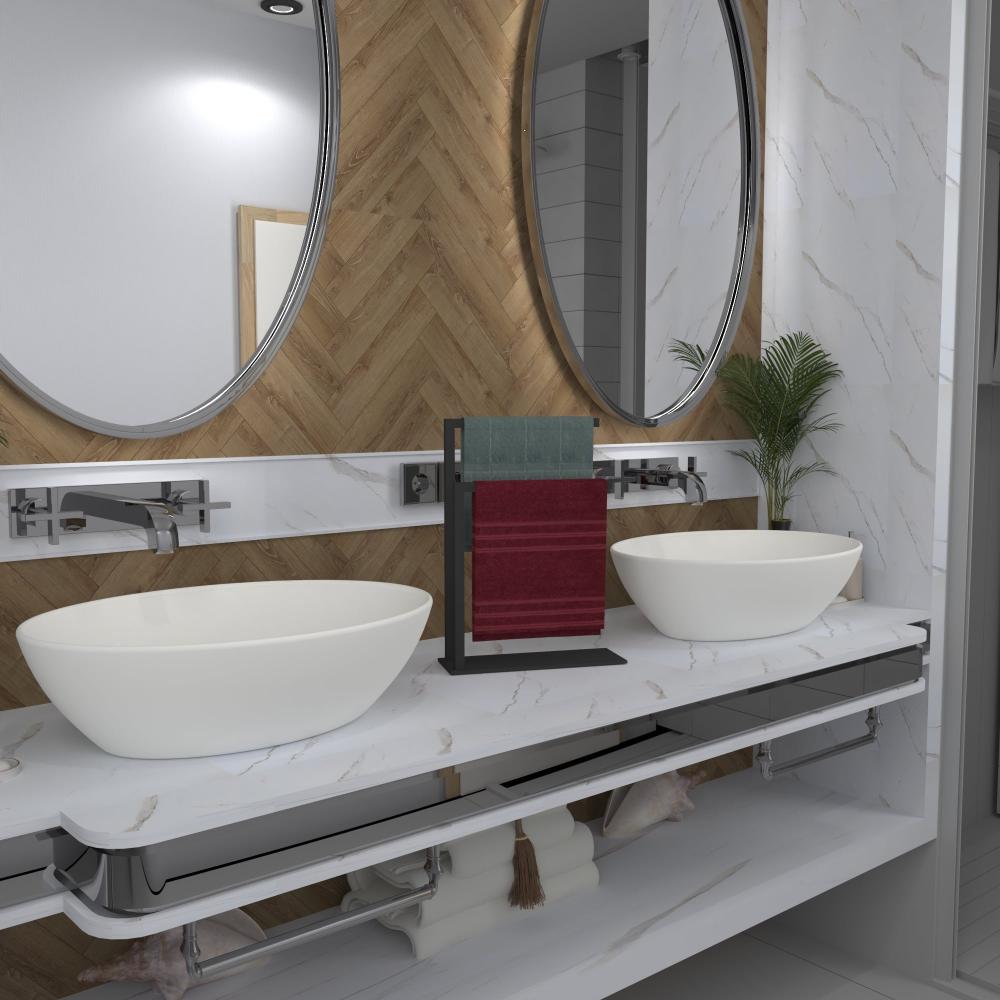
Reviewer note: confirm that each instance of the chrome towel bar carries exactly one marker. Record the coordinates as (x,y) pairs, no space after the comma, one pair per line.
(769,770)
(198,969)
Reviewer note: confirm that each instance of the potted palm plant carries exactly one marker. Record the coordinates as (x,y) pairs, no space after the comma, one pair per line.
(776,395)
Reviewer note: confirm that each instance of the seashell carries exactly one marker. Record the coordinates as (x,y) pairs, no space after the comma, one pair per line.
(637,807)
(158,959)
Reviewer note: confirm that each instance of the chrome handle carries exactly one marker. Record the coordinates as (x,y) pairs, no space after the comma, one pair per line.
(66,515)
(30,515)
(182,503)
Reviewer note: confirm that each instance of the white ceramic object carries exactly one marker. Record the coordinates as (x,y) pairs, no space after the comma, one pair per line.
(722,585)
(221,669)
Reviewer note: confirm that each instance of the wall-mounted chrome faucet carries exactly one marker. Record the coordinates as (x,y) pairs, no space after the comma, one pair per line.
(159,508)
(665,474)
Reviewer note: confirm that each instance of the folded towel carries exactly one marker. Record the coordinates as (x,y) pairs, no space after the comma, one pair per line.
(430,939)
(482,851)
(457,894)
(539,554)
(525,448)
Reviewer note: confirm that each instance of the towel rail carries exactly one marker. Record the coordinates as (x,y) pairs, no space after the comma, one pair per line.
(222,964)
(455,660)
(770,770)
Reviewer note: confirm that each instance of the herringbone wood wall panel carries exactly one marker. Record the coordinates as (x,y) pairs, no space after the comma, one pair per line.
(425,305)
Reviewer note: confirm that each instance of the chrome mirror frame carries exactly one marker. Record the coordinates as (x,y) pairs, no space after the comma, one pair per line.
(323,186)
(749,118)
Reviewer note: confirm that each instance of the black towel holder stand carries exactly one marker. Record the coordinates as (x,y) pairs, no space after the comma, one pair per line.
(455,660)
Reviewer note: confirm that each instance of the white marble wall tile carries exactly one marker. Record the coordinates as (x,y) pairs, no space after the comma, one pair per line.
(853,240)
(857,252)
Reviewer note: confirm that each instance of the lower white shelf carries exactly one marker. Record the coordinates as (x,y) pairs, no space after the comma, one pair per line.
(751,850)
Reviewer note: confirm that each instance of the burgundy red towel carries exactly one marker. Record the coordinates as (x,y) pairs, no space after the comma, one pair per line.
(538,558)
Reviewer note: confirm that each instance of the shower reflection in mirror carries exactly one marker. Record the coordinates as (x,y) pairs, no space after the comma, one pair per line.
(645,208)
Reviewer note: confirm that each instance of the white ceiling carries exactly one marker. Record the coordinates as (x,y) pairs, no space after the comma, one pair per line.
(303,20)
(581,29)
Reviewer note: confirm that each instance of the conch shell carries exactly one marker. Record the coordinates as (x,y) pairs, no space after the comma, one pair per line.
(158,959)
(637,807)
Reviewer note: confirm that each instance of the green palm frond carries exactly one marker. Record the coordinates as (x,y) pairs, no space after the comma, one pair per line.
(776,396)
(692,356)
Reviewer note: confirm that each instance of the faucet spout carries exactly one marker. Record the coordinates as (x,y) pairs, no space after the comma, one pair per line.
(162,532)
(157,515)
(690,477)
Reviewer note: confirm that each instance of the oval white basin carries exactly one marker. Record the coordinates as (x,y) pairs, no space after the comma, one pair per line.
(221,669)
(722,585)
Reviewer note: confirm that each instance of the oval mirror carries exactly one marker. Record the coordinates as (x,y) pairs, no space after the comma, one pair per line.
(167,168)
(641,167)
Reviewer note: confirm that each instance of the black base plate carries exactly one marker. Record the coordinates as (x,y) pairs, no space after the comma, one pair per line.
(496,663)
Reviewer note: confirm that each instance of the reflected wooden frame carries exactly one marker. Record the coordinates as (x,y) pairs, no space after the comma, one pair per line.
(247,217)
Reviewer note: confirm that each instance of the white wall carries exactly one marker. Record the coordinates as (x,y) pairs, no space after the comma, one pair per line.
(692,190)
(129,132)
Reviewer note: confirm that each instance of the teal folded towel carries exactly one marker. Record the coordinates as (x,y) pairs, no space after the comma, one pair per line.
(525,448)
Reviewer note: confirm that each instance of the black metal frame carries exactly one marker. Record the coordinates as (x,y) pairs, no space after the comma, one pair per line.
(455,659)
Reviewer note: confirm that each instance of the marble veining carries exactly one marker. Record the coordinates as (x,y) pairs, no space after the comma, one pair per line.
(425,721)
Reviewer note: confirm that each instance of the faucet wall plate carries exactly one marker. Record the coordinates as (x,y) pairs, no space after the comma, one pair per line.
(37,512)
(422,482)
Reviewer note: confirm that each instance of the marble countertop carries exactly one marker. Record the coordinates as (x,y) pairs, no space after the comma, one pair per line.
(427,720)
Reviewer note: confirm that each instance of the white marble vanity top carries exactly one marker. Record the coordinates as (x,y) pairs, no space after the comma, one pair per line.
(427,720)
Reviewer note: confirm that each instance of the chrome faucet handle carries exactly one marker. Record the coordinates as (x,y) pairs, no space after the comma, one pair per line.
(27,509)
(199,505)
(63,515)
(189,502)
(181,501)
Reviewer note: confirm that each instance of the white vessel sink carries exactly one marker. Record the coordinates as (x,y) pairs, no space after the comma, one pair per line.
(719,585)
(221,669)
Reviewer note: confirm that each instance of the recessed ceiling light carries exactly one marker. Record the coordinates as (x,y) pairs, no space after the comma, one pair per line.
(282,7)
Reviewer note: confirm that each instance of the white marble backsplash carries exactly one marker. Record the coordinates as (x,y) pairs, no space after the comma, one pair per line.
(853,252)
(288,495)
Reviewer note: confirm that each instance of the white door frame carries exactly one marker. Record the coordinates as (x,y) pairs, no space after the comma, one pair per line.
(967,115)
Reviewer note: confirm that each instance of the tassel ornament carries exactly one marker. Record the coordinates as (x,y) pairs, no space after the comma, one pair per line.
(526,892)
